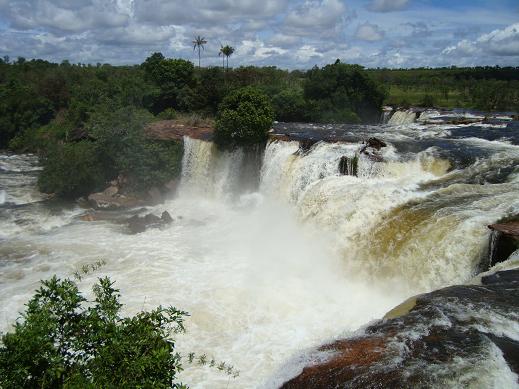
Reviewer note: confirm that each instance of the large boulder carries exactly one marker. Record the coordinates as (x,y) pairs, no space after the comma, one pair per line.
(422,344)
(111,199)
(504,240)
(138,224)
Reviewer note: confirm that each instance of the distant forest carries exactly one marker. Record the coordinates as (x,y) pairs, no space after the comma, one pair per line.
(483,88)
(43,100)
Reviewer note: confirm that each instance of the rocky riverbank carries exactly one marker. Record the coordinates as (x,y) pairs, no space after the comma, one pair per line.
(422,342)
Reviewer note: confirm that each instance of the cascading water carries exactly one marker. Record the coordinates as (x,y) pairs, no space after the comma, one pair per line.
(278,252)
(402,117)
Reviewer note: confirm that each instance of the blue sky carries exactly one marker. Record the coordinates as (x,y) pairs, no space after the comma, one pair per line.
(285,33)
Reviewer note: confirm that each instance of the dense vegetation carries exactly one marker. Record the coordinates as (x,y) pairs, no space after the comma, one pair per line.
(244,118)
(63,340)
(87,121)
(485,88)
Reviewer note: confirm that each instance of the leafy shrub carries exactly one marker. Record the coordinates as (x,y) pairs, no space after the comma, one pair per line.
(71,170)
(167,114)
(244,118)
(122,147)
(290,106)
(428,101)
(62,340)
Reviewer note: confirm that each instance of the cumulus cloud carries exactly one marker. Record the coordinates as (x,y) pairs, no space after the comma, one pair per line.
(387,5)
(369,32)
(501,42)
(286,33)
(199,12)
(65,16)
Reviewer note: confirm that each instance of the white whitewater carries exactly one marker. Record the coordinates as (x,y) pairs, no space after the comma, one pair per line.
(308,256)
(402,117)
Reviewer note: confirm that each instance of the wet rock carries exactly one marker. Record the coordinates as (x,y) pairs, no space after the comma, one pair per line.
(371,149)
(348,166)
(504,240)
(138,224)
(375,143)
(306,144)
(422,345)
(151,219)
(155,196)
(105,200)
(88,218)
(166,217)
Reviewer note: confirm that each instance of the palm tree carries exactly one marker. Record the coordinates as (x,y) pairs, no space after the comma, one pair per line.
(227,51)
(199,42)
(222,53)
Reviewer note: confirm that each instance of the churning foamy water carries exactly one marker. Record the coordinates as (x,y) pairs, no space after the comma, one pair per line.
(275,262)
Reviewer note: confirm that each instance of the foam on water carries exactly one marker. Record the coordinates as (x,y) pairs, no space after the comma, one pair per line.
(268,274)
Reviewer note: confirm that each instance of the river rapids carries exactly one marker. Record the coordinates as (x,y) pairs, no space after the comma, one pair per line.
(273,252)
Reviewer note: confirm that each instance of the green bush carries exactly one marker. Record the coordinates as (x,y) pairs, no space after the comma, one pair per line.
(167,114)
(122,147)
(244,118)
(71,170)
(290,106)
(63,340)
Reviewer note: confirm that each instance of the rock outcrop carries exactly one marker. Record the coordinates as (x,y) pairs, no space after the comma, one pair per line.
(110,198)
(138,224)
(504,240)
(423,343)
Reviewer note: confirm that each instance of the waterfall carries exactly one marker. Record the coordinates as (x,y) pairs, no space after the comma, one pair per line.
(402,117)
(219,174)
(387,227)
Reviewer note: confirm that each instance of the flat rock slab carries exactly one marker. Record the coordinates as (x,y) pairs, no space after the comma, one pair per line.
(173,130)
(510,228)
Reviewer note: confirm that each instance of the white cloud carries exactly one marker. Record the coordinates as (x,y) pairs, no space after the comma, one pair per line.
(503,42)
(387,5)
(66,17)
(312,16)
(369,32)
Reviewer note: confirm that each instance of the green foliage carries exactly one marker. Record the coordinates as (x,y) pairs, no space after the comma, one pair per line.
(483,87)
(21,107)
(63,340)
(428,101)
(167,114)
(118,145)
(290,106)
(71,169)
(244,118)
(121,143)
(343,92)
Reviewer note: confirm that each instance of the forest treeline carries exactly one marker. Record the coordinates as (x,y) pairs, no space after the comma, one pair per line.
(37,93)
(486,88)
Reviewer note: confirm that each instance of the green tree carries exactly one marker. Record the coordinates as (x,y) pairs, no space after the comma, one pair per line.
(72,169)
(344,90)
(227,51)
(63,340)
(244,118)
(198,43)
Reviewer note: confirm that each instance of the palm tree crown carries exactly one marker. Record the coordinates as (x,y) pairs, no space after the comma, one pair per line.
(199,42)
(227,51)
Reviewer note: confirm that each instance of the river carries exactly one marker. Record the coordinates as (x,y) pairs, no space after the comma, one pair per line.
(275,254)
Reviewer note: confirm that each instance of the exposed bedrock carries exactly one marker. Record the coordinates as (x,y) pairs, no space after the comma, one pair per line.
(436,339)
(504,240)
